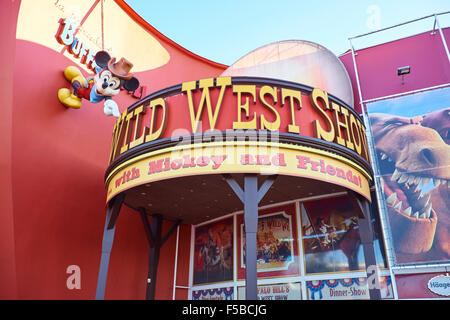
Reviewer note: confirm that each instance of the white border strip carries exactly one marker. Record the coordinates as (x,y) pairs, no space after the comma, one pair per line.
(400,24)
(405,93)
(176,264)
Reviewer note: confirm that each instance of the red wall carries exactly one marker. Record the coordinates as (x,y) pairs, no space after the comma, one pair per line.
(415,286)
(377,66)
(52,193)
(8,17)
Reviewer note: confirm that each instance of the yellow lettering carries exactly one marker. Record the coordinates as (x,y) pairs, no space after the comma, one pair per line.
(274,125)
(338,110)
(364,146)
(127,133)
(354,129)
(137,128)
(244,89)
(156,104)
(319,132)
(292,94)
(205,85)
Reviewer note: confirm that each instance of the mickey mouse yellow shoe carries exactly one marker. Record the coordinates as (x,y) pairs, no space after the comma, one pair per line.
(68,99)
(72,74)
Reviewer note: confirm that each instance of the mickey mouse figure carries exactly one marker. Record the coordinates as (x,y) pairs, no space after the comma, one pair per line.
(106,83)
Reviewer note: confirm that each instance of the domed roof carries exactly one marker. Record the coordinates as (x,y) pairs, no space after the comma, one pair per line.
(298,61)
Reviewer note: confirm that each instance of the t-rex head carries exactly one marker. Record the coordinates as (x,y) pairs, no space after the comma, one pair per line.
(440,121)
(410,156)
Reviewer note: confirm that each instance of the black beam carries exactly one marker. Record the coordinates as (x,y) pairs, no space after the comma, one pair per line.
(115,210)
(148,231)
(153,256)
(153,233)
(112,213)
(170,231)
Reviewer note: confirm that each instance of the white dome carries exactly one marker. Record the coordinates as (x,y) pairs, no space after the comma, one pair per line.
(298,61)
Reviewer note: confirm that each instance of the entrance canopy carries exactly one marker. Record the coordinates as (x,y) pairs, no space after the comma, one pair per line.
(196,199)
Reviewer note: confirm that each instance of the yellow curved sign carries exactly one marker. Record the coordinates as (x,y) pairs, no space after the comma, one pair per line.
(238,157)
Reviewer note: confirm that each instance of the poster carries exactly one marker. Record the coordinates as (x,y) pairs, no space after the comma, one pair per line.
(273,242)
(276,243)
(279,291)
(411,136)
(213,294)
(331,240)
(213,252)
(346,289)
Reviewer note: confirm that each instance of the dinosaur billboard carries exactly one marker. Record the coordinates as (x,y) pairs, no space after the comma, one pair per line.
(412,154)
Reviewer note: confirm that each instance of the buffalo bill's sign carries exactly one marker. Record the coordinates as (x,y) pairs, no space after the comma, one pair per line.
(280,291)
(225,103)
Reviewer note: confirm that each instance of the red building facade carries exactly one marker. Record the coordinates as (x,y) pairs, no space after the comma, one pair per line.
(57,161)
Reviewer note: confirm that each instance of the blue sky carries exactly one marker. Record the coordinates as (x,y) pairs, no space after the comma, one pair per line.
(417,104)
(224,31)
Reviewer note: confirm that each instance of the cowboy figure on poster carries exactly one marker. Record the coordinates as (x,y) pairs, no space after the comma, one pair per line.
(213,252)
(274,242)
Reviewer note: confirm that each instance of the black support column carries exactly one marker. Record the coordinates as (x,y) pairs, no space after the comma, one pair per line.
(156,241)
(362,206)
(112,214)
(251,197)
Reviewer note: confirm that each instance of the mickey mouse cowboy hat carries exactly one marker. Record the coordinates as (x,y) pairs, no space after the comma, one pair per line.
(121,68)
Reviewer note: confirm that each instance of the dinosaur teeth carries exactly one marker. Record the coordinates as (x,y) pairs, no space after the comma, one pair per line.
(391,199)
(418,205)
(436,182)
(403,178)
(407,211)
(417,180)
(425,181)
(423,201)
(411,179)
(427,212)
(384,156)
(395,175)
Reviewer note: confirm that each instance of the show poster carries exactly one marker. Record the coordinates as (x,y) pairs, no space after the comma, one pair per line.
(346,289)
(276,243)
(411,136)
(331,239)
(273,241)
(213,252)
(213,294)
(279,291)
